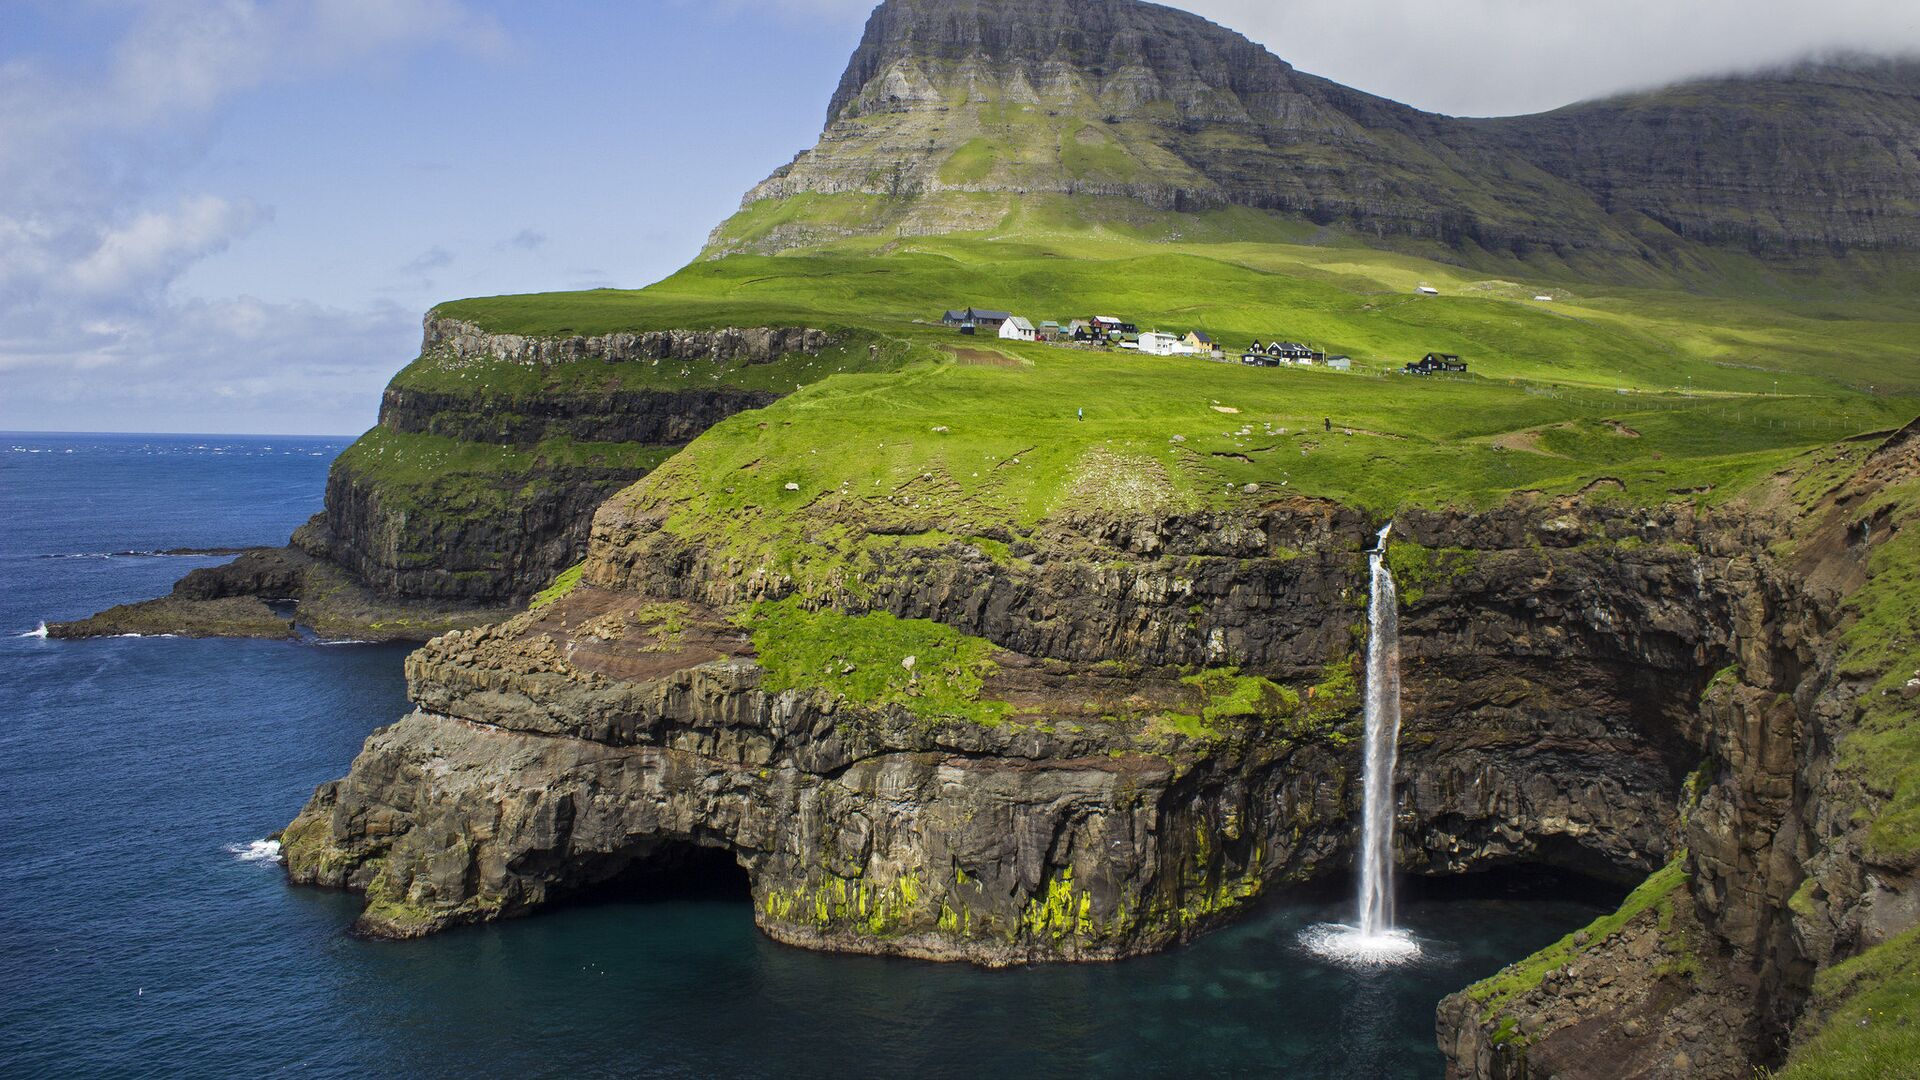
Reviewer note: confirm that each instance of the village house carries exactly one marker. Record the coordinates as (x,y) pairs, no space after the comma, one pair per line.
(1435,363)
(1340,363)
(1015,328)
(1159,344)
(1199,342)
(1080,329)
(1048,331)
(972,320)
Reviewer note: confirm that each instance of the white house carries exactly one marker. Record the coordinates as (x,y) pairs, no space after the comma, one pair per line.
(1157,344)
(1017,329)
(1340,363)
(1429,290)
(1545,299)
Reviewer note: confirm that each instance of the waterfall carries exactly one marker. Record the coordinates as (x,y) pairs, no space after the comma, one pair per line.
(1373,940)
(1382,745)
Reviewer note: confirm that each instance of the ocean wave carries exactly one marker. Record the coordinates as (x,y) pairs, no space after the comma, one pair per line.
(179,553)
(260,851)
(346,641)
(39,632)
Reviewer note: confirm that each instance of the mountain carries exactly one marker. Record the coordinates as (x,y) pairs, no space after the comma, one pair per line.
(950,109)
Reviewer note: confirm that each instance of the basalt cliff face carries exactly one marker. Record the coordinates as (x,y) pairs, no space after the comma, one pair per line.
(1787,865)
(504,530)
(1588,686)
(1113,98)
(558,749)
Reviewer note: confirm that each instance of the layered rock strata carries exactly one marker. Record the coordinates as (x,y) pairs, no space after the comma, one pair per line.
(1125,100)
(1780,876)
(1550,693)
(428,542)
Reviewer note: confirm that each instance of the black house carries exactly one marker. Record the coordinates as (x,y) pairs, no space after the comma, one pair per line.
(976,317)
(1434,363)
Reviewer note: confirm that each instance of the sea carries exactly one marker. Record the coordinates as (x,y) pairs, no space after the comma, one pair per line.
(146,930)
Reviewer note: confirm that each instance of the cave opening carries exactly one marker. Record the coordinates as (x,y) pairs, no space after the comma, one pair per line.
(1527,881)
(663,870)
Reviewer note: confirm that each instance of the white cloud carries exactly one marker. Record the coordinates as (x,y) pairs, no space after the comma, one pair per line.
(91,250)
(157,245)
(1489,57)
(1493,57)
(227,365)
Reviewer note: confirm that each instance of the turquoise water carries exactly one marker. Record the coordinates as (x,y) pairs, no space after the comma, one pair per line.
(136,938)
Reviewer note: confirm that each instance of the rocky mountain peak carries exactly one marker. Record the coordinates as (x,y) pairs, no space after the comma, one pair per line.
(1060,49)
(1118,104)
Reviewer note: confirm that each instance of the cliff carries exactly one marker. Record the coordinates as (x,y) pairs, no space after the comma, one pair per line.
(475,490)
(477,486)
(1798,853)
(1104,733)
(946,105)
(1097,802)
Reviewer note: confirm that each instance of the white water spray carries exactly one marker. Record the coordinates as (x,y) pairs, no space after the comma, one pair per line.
(1373,940)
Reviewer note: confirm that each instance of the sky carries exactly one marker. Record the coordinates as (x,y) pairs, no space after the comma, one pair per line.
(229,216)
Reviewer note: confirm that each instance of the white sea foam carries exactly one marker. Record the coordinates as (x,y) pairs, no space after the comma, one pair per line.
(260,851)
(347,641)
(1349,947)
(38,632)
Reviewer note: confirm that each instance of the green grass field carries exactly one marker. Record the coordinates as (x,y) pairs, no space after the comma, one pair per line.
(1665,391)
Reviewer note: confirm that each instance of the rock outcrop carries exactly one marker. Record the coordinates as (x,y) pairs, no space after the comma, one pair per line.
(462,342)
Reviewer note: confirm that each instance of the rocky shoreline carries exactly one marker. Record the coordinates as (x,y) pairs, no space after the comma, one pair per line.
(278,593)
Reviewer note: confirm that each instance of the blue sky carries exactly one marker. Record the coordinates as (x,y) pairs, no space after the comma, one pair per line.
(230,215)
